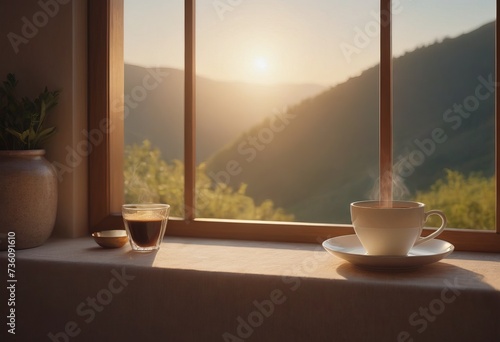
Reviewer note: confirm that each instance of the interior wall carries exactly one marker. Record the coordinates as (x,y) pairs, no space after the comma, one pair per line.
(44,43)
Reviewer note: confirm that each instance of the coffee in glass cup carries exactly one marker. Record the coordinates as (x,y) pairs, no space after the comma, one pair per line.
(145,224)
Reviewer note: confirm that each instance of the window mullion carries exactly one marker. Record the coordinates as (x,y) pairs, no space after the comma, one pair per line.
(385,121)
(497,117)
(189,111)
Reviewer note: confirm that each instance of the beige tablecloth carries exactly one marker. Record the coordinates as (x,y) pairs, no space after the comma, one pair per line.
(215,290)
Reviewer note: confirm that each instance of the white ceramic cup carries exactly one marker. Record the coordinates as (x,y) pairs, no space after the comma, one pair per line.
(392,228)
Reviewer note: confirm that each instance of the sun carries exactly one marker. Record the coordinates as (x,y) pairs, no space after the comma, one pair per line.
(260,64)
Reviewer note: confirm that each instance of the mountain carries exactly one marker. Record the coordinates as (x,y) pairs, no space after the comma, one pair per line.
(154,100)
(326,155)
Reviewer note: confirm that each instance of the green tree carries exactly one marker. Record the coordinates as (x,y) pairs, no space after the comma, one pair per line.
(467,201)
(148,178)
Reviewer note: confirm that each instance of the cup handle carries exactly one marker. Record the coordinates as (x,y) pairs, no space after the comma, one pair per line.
(437,232)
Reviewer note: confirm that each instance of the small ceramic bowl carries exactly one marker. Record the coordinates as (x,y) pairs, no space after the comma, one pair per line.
(111,238)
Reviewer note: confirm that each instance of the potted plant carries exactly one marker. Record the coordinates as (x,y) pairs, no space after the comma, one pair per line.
(28,182)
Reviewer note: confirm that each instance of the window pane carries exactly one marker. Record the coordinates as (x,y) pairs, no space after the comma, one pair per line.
(444,123)
(287,108)
(154,102)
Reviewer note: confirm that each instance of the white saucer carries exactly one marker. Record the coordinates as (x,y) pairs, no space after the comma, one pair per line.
(349,248)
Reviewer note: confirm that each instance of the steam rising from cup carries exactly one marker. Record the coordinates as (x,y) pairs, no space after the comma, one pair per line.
(388,180)
(140,189)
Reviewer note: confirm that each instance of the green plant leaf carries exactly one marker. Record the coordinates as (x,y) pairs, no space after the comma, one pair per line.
(43,108)
(43,136)
(22,118)
(21,136)
(32,134)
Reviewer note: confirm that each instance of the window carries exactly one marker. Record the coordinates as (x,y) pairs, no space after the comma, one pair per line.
(444,109)
(287,120)
(154,103)
(106,77)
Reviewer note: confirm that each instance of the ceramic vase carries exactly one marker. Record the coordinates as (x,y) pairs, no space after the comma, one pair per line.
(28,198)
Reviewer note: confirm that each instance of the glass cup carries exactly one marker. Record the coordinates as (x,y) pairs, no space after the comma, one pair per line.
(145,225)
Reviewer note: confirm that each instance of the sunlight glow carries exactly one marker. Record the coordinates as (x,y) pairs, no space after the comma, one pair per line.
(293,41)
(261,64)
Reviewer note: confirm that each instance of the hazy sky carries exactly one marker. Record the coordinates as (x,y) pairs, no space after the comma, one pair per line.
(290,41)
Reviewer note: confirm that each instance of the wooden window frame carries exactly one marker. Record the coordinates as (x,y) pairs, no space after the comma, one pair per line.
(106,166)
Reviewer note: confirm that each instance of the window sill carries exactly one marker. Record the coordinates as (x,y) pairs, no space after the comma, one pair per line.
(221,290)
